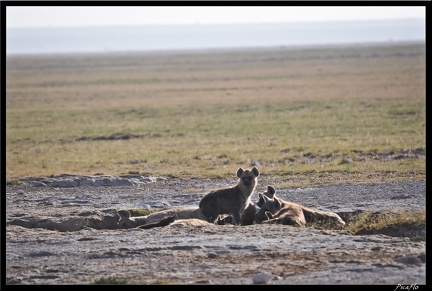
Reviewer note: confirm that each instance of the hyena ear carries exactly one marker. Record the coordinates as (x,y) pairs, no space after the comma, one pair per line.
(261,200)
(264,197)
(240,172)
(255,171)
(269,215)
(271,190)
(124,213)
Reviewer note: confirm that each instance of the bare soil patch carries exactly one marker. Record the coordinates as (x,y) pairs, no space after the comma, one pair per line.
(215,254)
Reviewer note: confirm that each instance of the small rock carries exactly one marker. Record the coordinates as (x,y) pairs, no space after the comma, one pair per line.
(347,159)
(255,163)
(211,255)
(202,185)
(261,278)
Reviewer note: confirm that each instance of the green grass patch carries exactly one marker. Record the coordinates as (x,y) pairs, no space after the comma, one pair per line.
(402,223)
(297,117)
(213,141)
(13,182)
(409,223)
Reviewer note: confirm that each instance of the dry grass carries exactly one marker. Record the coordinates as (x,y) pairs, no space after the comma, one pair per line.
(408,223)
(204,114)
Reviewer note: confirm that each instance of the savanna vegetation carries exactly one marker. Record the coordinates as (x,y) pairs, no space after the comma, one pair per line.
(296,113)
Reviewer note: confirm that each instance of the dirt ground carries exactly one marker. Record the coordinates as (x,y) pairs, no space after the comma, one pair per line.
(215,254)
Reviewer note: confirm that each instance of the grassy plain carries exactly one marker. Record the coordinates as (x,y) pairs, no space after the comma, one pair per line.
(295,112)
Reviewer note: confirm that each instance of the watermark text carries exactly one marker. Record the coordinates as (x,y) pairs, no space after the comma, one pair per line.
(406,287)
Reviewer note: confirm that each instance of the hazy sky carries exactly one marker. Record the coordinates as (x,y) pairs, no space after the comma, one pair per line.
(46,16)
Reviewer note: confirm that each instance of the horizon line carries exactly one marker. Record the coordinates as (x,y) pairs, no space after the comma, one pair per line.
(215,24)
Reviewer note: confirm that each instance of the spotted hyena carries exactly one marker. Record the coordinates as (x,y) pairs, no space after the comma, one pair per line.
(248,214)
(233,200)
(269,193)
(189,212)
(275,209)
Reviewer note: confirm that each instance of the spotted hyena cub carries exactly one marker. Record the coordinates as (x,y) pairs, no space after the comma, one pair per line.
(269,193)
(275,209)
(231,201)
(248,214)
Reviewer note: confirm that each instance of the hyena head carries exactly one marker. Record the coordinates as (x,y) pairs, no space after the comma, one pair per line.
(269,193)
(268,208)
(248,178)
